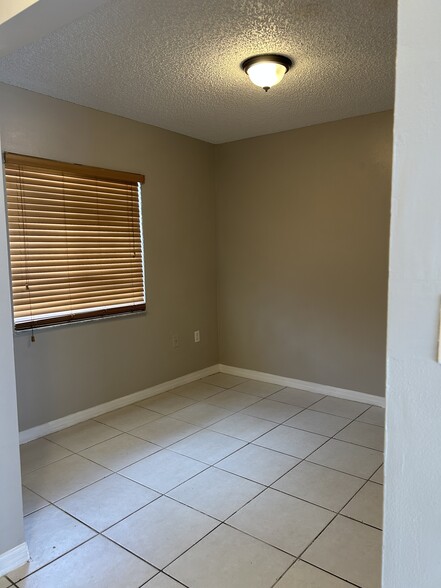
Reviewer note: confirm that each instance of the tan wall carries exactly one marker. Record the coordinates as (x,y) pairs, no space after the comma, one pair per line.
(303,225)
(72,368)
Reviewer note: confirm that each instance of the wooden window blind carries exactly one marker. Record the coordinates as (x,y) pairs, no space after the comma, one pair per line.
(75,241)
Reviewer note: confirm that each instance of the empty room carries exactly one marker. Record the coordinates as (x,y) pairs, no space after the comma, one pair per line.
(218,267)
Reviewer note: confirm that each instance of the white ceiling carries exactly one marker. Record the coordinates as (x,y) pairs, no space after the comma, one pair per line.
(176,63)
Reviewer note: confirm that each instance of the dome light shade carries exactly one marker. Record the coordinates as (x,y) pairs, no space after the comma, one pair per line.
(266,70)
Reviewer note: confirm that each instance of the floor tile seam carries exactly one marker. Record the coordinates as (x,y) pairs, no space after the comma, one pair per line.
(330,573)
(358,520)
(58,557)
(77,451)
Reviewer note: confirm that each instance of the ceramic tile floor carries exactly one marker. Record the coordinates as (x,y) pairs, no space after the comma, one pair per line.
(221,483)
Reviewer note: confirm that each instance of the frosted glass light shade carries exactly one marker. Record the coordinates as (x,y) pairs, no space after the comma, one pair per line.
(266,74)
(266,70)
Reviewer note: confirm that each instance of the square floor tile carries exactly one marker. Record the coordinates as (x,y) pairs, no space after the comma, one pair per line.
(166,403)
(363,434)
(349,550)
(262,389)
(107,502)
(83,435)
(281,520)
(38,453)
(367,506)
(197,390)
(161,531)
(320,485)
(378,477)
(224,380)
(272,411)
(32,502)
(163,581)
(165,431)
(318,422)
(49,533)
(297,397)
(128,417)
(201,414)
(291,441)
(348,458)
(243,426)
(258,464)
(340,407)
(227,558)
(99,563)
(216,493)
(163,471)
(232,399)
(373,416)
(120,452)
(64,477)
(207,446)
(303,575)
(4,583)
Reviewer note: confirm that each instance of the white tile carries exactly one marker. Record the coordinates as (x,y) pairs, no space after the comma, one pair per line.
(262,389)
(272,516)
(340,407)
(32,502)
(49,533)
(227,558)
(83,435)
(128,417)
(107,501)
(161,531)
(349,550)
(297,397)
(216,493)
(207,446)
(320,485)
(201,414)
(163,471)
(99,563)
(38,453)
(224,380)
(258,464)
(363,434)
(4,582)
(197,390)
(367,506)
(232,400)
(348,458)
(318,422)
(120,451)
(162,581)
(291,441)
(303,575)
(378,477)
(243,426)
(373,416)
(64,477)
(272,411)
(166,403)
(165,431)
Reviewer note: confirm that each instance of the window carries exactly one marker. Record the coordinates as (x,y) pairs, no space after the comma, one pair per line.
(75,241)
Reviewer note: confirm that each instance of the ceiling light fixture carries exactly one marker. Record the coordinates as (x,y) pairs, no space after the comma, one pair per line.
(266,70)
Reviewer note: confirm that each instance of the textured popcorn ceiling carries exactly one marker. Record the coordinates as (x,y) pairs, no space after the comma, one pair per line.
(176,63)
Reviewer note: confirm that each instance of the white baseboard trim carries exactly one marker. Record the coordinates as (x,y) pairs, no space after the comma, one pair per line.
(302,385)
(94,411)
(13,559)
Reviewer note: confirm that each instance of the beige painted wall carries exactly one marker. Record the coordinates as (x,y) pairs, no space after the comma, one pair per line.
(72,368)
(303,226)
